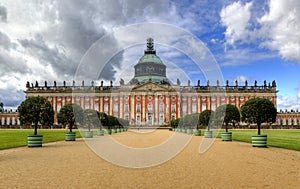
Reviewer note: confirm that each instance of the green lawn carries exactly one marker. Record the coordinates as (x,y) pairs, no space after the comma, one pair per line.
(16,138)
(289,139)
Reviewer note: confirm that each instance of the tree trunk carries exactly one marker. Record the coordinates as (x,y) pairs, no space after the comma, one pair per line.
(226,127)
(258,128)
(35,128)
(70,126)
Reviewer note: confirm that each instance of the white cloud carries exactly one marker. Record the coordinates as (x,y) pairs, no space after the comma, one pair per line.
(281,26)
(235,17)
(288,103)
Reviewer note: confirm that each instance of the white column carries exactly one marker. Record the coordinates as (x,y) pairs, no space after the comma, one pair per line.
(143,109)
(156,110)
(132,116)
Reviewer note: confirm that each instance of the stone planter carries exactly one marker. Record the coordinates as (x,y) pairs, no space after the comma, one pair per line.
(259,140)
(118,130)
(189,131)
(183,130)
(226,136)
(70,136)
(208,134)
(197,132)
(114,131)
(35,140)
(88,134)
(100,132)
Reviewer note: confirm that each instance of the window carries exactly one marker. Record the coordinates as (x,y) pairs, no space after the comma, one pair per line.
(194,108)
(58,107)
(116,106)
(213,107)
(96,107)
(150,107)
(126,117)
(106,108)
(289,121)
(138,108)
(283,121)
(126,107)
(173,107)
(161,108)
(161,120)
(203,107)
(138,120)
(184,108)
(278,121)
(173,117)
(87,106)
(7,121)
(295,121)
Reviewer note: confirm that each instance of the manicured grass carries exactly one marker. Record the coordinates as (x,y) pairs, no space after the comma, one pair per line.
(17,138)
(289,139)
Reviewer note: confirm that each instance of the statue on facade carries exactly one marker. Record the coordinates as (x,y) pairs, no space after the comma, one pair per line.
(198,83)
(217,83)
(246,83)
(189,83)
(207,83)
(54,83)
(121,81)
(45,83)
(36,84)
(255,83)
(236,83)
(27,84)
(178,81)
(92,83)
(273,83)
(227,83)
(73,83)
(82,83)
(64,83)
(101,85)
(111,83)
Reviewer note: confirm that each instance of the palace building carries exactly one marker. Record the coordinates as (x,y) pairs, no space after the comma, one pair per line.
(149,98)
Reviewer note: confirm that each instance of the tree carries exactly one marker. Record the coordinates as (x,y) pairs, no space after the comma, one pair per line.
(103,119)
(70,114)
(258,110)
(227,113)
(1,107)
(91,118)
(205,117)
(191,120)
(35,110)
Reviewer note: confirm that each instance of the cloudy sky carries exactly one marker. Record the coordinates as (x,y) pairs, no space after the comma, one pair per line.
(45,40)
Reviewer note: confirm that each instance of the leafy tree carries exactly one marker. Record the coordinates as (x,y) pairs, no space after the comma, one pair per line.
(70,114)
(258,110)
(103,119)
(175,123)
(35,110)
(191,120)
(123,122)
(205,117)
(91,118)
(228,113)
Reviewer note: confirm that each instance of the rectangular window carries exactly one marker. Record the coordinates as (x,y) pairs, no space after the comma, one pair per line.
(96,106)
(161,109)
(58,107)
(138,108)
(150,107)
(184,108)
(116,106)
(126,107)
(203,107)
(194,108)
(106,108)
(161,120)
(173,108)
(213,107)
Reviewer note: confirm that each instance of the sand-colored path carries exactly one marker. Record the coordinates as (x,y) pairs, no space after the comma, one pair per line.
(224,165)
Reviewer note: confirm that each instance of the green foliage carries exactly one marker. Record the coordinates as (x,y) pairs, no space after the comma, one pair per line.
(175,123)
(228,113)
(205,118)
(258,110)
(102,118)
(91,118)
(35,110)
(70,114)
(190,120)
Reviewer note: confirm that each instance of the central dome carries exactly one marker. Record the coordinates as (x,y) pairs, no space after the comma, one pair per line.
(149,67)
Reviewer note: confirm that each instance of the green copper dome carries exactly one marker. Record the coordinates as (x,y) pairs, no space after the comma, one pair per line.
(149,67)
(150,58)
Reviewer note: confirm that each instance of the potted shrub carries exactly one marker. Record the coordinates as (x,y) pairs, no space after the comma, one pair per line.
(32,111)
(204,120)
(68,116)
(91,118)
(103,119)
(227,113)
(258,110)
